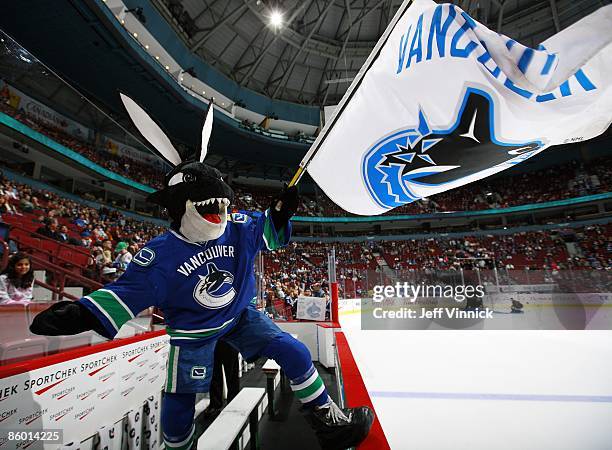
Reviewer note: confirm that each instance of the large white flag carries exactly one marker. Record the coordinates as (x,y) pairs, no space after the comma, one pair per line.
(443,101)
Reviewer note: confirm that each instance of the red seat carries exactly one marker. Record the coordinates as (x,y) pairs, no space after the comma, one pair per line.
(80,259)
(40,255)
(30,226)
(49,245)
(30,242)
(17,234)
(9,218)
(65,254)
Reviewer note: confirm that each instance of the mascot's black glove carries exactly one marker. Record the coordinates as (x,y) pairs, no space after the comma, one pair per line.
(284,206)
(65,318)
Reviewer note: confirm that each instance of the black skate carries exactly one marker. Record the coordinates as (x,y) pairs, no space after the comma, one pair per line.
(338,429)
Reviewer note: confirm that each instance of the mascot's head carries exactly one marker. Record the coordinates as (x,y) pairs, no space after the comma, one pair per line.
(194,194)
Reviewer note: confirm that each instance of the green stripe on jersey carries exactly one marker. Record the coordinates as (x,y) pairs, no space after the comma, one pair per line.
(173,333)
(117,311)
(170,369)
(272,240)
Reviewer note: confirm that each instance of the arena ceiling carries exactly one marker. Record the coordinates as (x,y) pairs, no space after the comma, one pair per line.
(311,56)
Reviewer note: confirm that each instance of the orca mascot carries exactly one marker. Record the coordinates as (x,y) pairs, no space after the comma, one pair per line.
(200,274)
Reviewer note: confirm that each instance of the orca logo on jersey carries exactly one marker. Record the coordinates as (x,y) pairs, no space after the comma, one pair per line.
(214,290)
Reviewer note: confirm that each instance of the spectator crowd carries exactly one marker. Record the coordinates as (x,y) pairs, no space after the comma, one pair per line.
(562,181)
(301,268)
(128,167)
(111,238)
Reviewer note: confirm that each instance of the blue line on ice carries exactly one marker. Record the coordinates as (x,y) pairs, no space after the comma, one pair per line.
(487,396)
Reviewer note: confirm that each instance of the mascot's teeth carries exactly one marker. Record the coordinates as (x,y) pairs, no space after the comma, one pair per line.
(220,201)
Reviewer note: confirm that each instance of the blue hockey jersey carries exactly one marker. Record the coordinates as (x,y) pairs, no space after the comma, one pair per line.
(201,287)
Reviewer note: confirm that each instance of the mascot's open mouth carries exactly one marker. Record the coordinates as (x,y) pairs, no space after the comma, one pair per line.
(211,209)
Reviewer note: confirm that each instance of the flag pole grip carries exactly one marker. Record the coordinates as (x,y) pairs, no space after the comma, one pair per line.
(296,178)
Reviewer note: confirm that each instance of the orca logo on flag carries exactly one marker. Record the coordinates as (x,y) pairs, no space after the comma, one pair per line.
(405,166)
(214,290)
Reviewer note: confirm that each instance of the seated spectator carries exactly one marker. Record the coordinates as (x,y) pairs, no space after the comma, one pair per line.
(17,280)
(99,234)
(108,275)
(63,234)
(50,230)
(124,257)
(80,222)
(26,204)
(317,290)
(5,206)
(87,232)
(107,252)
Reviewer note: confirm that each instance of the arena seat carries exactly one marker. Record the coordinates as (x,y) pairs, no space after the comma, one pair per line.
(49,245)
(76,261)
(30,242)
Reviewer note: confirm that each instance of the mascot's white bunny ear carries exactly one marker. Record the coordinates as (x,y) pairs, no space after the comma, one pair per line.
(151,131)
(206,131)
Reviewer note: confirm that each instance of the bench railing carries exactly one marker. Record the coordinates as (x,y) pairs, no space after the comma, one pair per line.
(226,431)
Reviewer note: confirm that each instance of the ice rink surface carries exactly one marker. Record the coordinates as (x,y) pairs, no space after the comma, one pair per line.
(443,389)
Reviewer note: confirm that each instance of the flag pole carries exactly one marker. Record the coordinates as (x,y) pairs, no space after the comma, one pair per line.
(349,93)
(297,175)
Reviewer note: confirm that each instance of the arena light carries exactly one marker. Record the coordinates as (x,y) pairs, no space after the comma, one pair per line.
(276,18)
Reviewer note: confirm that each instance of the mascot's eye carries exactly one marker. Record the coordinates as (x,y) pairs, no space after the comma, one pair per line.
(189,177)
